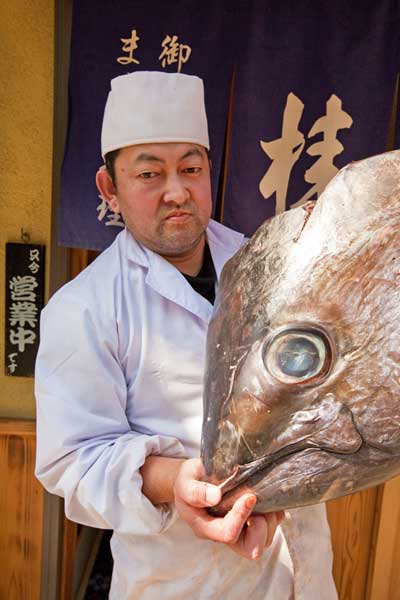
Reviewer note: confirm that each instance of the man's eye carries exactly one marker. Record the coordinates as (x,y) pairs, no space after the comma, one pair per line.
(148,175)
(192,170)
(295,356)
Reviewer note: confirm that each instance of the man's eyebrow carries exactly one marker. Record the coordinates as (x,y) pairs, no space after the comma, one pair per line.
(192,152)
(144,157)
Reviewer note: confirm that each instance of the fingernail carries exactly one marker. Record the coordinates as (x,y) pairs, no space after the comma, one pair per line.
(212,495)
(250,502)
(256,553)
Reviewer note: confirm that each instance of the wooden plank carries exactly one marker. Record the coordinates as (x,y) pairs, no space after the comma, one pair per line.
(385,555)
(352,524)
(394,589)
(80,259)
(21,513)
(16,427)
(70,540)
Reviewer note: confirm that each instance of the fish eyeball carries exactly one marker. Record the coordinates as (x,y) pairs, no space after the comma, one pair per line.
(297,356)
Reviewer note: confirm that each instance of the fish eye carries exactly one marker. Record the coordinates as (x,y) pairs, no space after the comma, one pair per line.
(296,356)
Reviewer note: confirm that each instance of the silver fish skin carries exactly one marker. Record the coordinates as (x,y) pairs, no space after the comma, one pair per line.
(302,386)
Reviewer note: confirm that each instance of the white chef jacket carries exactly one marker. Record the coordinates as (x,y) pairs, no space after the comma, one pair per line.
(119,376)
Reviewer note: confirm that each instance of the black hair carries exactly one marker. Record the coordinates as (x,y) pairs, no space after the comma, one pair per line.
(109,159)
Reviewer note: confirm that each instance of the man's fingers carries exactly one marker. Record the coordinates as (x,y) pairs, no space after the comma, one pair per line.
(280,514)
(272,524)
(258,534)
(236,518)
(273,520)
(227,529)
(200,494)
(192,469)
(192,496)
(191,490)
(255,537)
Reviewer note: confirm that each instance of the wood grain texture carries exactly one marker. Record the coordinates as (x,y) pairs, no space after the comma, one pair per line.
(80,259)
(352,524)
(70,541)
(394,589)
(384,583)
(21,510)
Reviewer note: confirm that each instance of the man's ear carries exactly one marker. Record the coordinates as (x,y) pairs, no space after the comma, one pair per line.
(107,189)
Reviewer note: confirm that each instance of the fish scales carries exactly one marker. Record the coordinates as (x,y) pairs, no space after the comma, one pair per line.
(302,386)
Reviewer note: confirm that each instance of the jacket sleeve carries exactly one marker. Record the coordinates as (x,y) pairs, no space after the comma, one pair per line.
(86,449)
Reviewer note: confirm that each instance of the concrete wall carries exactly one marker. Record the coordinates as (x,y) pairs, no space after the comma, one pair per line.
(26,125)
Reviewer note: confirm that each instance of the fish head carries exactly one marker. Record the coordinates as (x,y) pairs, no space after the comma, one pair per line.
(302,386)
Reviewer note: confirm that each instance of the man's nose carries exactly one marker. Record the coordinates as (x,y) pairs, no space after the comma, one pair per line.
(175,190)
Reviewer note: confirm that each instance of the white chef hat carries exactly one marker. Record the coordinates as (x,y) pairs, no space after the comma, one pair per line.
(149,106)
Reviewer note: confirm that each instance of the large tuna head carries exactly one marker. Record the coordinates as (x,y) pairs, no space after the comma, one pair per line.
(302,388)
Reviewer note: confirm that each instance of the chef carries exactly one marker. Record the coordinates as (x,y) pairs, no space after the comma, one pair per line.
(119,375)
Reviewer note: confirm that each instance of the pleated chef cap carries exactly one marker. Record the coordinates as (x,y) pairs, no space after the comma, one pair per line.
(149,106)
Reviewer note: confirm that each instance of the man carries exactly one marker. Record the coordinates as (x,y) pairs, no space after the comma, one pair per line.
(120,369)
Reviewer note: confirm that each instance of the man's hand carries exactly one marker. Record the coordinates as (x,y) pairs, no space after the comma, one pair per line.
(245,535)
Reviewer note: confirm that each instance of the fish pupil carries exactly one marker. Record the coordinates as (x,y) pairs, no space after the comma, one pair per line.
(298,357)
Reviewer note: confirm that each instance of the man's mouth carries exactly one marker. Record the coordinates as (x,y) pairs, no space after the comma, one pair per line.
(178,217)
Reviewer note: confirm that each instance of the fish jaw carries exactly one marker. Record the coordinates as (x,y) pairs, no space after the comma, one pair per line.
(311,476)
(336,435)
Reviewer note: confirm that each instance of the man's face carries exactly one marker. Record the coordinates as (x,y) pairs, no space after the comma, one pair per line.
(163,192)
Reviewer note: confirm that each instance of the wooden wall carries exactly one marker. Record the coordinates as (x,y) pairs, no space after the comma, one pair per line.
(384,571)
(352,525)
(21,509)
(366,543)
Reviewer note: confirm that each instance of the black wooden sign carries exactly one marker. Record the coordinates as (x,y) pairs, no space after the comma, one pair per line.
(24,301)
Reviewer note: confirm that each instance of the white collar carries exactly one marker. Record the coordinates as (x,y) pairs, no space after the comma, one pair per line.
(167,280)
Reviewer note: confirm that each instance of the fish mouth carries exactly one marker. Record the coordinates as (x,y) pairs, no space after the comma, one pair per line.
(304,476)
(242,473)
(246,479)
(338,437)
